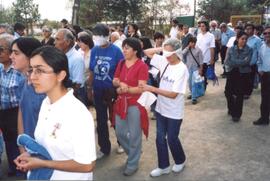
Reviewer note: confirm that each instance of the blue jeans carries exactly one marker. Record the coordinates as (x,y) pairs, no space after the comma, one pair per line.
(168,128)
(102,122)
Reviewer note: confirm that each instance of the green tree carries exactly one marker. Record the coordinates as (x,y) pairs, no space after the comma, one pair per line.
(6,15)
(26,12)
(223,9)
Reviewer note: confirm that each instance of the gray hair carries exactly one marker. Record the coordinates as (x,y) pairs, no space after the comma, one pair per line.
(115,34)
(175,43)
(8,39)
(68,36)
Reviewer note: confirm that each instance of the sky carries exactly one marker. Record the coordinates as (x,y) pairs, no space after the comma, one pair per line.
(50,9)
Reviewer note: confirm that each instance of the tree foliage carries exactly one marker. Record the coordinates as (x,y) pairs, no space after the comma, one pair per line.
(6,15)
(26,12)
(223,9)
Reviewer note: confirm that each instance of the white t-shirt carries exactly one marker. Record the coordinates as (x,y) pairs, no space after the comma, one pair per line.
(66,129)
(205,42)
(173,32)
(231,42)
(174,79)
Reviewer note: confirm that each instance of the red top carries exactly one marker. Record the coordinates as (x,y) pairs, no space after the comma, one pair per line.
(131,76)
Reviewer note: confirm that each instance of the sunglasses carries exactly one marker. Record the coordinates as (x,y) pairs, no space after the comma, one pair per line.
(266,33)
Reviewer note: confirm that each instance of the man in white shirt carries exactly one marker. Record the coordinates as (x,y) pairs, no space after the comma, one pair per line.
(206,42)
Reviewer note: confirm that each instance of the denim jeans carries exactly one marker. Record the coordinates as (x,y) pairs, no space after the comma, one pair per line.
(168,129)
(102,122)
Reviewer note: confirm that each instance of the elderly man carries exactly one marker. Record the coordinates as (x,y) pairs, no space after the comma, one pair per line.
(65,41)
(11,83)
(264,71)
(115,39)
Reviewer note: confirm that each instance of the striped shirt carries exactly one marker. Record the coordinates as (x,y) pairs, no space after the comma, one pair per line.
(11,84)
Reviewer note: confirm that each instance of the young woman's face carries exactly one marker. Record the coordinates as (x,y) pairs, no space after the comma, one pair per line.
(83,46)
(42,75)
(128,52)
(19,60)
(242,40)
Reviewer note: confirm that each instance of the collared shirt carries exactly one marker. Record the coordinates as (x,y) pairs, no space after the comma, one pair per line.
(205,42)
(225,36)
(264,58)
(11,83)
(76,66)
(216,32)
(66,129)
(16,35)
(254,43)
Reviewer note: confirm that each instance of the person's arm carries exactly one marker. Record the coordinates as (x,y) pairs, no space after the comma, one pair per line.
(25,163)
(20,128)
(152,51)
(212,60)
(165,93)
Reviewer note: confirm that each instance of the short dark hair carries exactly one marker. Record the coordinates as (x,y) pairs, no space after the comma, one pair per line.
(251,25)
(18,26)
(101,30)
(56,59)
(135,26)
(64,21)
(86,39)
(27,45)
(135,44)
(158,35)
(146,42)
(192,39)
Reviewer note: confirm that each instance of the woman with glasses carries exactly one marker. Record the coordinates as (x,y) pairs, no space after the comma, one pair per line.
(65,127)
(30,100)
(237,65)
(48,39)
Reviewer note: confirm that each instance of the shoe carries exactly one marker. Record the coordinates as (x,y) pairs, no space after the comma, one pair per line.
(129,172)
(235,119)
(178,167)
(120,150)
(194,101)
(158,172)
(100,155)
(189,97)
(261,122)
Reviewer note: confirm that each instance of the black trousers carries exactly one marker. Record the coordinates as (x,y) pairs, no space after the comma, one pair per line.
(249,84)
(234,92)
(265,96)
(8,125)
(205,66)
(223,51)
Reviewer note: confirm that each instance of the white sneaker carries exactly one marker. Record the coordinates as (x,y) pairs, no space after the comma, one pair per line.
(120,150)
(158,172)
(178,167)
(100,154)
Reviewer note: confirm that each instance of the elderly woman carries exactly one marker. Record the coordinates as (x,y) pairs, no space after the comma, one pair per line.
(48,39)
(130,117)
(170,105)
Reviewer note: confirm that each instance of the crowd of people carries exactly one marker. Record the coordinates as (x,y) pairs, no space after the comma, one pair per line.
(47,87)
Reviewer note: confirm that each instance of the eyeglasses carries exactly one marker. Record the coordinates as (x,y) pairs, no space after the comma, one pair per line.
(3,49)
(38,71)
(266,33)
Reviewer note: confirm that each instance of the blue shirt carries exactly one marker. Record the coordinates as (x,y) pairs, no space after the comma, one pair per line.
(254,43)
(11,84)
(76,66)
(225,36)
(264,58)
(103,62)
(30,104)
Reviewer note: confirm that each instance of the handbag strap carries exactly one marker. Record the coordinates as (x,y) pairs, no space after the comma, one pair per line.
(194,57)
(163,73)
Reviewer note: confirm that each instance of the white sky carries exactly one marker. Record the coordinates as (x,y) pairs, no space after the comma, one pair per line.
(50,9)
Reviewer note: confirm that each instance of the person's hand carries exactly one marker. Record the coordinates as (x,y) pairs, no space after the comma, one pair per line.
(212,61)
(124,87)
(201,72)
(146,87)
(19,161)
(29,163)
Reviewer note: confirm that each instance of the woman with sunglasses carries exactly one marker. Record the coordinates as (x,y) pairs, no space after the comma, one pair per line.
(65,127)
